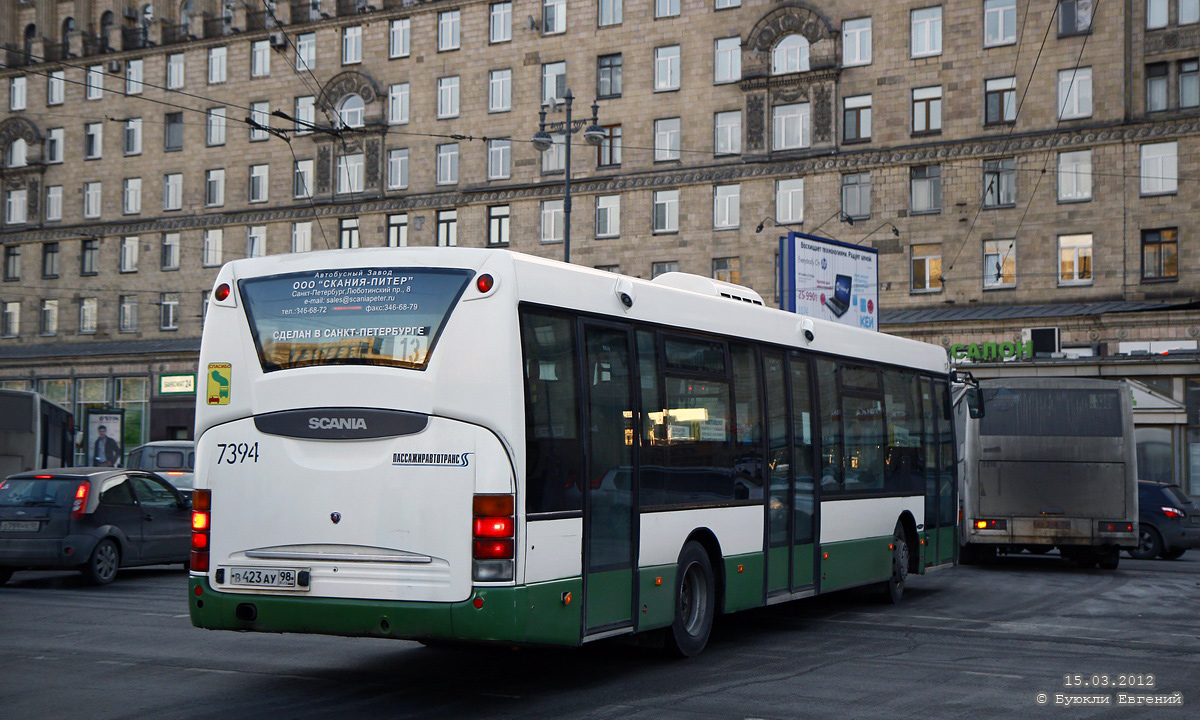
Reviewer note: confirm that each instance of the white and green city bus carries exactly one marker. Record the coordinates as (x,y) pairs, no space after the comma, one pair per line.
(451,443)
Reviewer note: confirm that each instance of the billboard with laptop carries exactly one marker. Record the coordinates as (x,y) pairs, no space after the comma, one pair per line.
(829,279)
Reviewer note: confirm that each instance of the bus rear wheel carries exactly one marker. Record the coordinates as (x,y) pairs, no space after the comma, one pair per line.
(695,601)
(893,588)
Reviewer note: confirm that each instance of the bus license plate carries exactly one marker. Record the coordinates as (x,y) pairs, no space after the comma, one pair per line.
(263,577)
(1051,524)
(19,526)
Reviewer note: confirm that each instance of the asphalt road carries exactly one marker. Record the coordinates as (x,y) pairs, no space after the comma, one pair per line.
(978,642)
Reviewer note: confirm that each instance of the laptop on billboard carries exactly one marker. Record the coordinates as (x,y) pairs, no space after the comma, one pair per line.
(839,302)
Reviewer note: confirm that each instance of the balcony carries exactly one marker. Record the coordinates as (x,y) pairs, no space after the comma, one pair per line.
(134,38)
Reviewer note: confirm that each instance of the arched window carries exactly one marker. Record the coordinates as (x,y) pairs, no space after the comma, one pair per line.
(30,36)
(68,29)
(106,23)
(790,55)
(351,111)
(147,14)
(17,151)
(185,12)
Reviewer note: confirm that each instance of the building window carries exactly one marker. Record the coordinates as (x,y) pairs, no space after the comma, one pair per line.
(608,153)
(216,65)
(1189,12)
(1156,86)
(856,42)
(1189,82)
(662,268)
(727,60)
(170,251)
(447,164)
(554,82)
(18,153)
(173,191)
(133,77)
(609,13)
(306,114)
(89,256)
(1075,259)
(351,111)
(399,38)
(500,91)
(552,221)
(306,52)
(350,173)
(50,260)
(726,206)
(554,17)
(1000,183)
(17,96)
(131,138)
(352,45)
(856,118)
(999,264)
(789,201)
(127,314)
(608,216)
(1160,168)
(54,202)
(727,270)
(397,230)
(666,139)
(999,22)
(856,195)
(93,143)
(259,183)
(173,132)
(1160,254)
(260,58)
(12,262)
(447,228)
(131,196)
(397,104)
(666,68)
(301,236)
(54,145)
(302,177)
(56,87)
(348,233)
(91,200)
(499,159)
(926,189)
(790,126)
(15,207)
(398,169)
(1074,93)
(727,133)
(790,55)
(1075,17)
(94,83)
(500,22)
(1075,176)
(999,101)
(498,223)
(666,211)
(608,76)
(926,32)
(11,320)
(49,317)
(726,4)
(554,160)
(260,119)
(926,268)
(175,74)
(447,97)
(168,311)
(448,30)
(1156,14)
(927,110)
(210,249)
(666,8)
(214,187)
(129,255)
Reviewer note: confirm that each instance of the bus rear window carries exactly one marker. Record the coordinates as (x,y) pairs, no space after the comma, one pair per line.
(1040,413)
(357,316)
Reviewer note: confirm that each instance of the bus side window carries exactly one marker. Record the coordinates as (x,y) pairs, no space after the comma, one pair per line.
(553,451)
(831,426)
(748,464)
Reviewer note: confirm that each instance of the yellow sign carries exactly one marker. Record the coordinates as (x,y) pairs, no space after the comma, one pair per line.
(220,376)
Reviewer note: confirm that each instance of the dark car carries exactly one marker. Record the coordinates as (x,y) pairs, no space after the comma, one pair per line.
(94,520)
(173,459)
(1169,523)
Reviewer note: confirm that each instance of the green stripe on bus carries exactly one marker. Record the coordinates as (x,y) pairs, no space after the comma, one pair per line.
(609,597)
(744,589)
(802,565)
(656,591)
(855,562)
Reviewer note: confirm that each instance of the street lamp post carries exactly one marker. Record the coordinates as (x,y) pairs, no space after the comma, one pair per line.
(593,135)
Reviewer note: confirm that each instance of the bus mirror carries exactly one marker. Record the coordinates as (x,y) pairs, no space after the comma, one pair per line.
(974,403)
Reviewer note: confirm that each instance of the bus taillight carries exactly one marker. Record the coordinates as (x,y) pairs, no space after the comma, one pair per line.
(201,525)
(991,524)
(81,494)
(494,547)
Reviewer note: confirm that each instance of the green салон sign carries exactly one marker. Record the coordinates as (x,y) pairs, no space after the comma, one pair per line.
(989,351)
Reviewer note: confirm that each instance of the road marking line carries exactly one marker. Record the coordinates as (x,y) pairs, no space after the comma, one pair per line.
(1001,675)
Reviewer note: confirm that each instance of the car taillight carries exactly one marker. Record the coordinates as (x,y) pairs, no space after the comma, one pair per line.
(201,525)
(493,545)
(1172,512)
(80,502)
(991,524)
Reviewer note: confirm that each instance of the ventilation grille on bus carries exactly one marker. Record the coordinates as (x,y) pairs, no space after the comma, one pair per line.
(709,286)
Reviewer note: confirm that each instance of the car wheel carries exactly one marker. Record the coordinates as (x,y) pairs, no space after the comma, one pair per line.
(695,600)
(1165,555)
(5,574)
(893,588)
(101,567)
(1109,559)
(1149,544)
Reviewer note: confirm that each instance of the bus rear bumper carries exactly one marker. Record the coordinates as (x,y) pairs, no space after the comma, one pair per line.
(533,614)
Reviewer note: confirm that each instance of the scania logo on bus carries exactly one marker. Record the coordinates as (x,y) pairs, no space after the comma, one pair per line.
(337,423)
(336,517)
